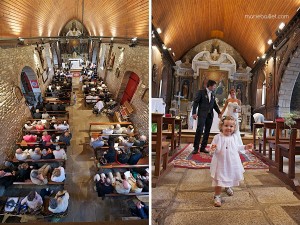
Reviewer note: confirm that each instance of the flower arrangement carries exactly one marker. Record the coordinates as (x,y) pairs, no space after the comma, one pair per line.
(290,118)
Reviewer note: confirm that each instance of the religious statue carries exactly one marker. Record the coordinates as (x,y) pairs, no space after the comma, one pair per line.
(215,55)
(185,89)
(73,31)
(111,60)
(186,64)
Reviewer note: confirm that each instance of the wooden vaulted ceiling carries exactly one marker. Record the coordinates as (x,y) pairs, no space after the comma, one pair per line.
(185,24)
(37,18)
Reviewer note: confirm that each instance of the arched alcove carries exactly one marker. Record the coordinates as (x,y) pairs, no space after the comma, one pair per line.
(295,96)
(30,86)
(288,83)
(259,88)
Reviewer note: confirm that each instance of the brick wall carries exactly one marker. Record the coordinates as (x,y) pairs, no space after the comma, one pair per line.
(130,60)
(13,113)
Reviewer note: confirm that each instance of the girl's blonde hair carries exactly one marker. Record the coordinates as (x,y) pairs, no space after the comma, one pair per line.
(227,118)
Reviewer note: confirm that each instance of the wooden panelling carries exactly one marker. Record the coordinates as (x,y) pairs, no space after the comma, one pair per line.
(185,24)
(34,18)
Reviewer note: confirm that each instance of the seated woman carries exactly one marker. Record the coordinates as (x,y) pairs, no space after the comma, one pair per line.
(47,154)
(126,143)
(60,202)
(29,126)
(45,115)
(136,184)
(66,138)
(33,200)
(121,185)
(46,137)
(103,186)
(58,174)
(29,137)
(39,126)
(39,176)
(23,172)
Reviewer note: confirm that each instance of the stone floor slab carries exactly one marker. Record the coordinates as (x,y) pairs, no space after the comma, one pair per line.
(204,200)
(274,195)
(162,196)
(282,215)
(224,217)
(196,180)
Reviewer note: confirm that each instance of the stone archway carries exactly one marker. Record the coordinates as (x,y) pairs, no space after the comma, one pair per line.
(30,86)
(288,82)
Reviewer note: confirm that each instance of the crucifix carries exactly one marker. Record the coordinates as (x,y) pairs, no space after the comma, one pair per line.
(178,99)
(40,51)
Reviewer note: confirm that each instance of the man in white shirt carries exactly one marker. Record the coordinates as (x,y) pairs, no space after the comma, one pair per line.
(59,153)
(20,155)
(33,200)
(60,203)
(58,174)
(99,105)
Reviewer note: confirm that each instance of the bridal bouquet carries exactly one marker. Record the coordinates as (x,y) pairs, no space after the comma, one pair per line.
(236,108)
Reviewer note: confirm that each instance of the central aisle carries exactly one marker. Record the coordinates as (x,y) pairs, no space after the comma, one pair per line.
(84,202)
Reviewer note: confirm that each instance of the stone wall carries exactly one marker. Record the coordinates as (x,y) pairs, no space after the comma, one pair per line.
(14,112)
(128,60)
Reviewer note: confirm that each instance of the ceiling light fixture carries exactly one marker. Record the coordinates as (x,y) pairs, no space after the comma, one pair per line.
(164,47)
(158,30)
(281,26)
(263,56)
(270,41)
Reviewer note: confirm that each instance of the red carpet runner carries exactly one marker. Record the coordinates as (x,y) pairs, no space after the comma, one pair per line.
(185,159)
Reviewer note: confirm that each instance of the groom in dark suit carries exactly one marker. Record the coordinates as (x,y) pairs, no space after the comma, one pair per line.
(205,101)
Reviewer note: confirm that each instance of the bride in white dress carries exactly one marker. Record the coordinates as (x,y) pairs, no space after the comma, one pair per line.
(232,108)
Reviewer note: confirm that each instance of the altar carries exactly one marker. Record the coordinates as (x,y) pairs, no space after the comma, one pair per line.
(75,63)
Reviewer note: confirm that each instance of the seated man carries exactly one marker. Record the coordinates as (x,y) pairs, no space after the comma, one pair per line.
(20,155)
(258,118)
(58,174)
(60,203)
(37,114)
(36,154)
(33,200)
(66,138)
(99,105)
(39,176)
(59,153)
(96,143)
(6,178)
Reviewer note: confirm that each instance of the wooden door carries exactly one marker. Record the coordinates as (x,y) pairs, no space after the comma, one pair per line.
(131,87)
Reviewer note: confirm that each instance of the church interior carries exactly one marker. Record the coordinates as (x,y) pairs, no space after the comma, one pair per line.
(74,95)
(250,49)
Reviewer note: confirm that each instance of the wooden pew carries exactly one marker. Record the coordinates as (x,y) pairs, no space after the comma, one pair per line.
(30,183)
(39,161)
(255,127)
(107,124)
(161,150)
(289,150)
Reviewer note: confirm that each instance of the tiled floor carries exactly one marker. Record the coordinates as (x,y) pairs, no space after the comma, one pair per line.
(185,196)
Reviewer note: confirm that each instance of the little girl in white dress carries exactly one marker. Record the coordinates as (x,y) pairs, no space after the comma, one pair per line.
(226,166)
